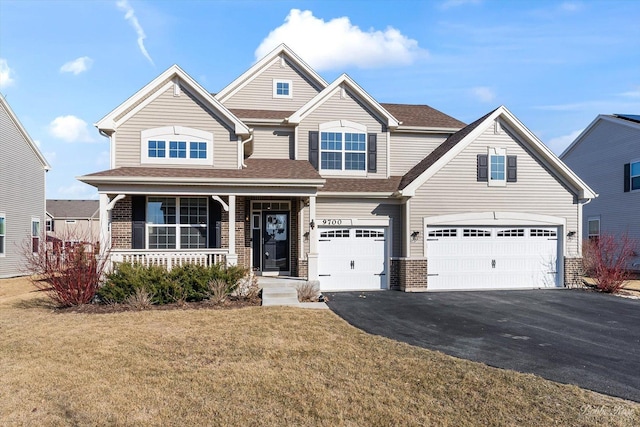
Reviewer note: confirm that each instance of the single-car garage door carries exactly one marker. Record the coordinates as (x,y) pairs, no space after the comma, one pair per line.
(352,258)
(492,257)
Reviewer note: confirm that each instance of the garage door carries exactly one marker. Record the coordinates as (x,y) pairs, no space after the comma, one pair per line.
(352,258)
(492,257)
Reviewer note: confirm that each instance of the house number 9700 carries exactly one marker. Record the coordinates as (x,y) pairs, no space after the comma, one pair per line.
(331,222)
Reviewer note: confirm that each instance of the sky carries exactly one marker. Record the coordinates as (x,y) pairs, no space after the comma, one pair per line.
(555,64)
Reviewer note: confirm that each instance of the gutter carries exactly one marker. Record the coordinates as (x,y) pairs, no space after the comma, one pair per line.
(244,165)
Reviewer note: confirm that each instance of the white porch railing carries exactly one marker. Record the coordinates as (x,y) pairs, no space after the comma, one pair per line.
(170,259)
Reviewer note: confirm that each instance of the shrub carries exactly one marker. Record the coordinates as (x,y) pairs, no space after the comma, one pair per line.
(127,278)
(69,273)
(307,292)
(141,299)
(247,287)
(606,260)
(218,291)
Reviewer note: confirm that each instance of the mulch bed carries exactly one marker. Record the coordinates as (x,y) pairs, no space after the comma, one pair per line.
(228,304)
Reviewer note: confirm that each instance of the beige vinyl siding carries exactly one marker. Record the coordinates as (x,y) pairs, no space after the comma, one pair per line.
(599,160)
(271,142)
(22,193)
(454,190)
(407,149)
(82,229)
(170,110)
(332,208)
(337,108)
(258,93)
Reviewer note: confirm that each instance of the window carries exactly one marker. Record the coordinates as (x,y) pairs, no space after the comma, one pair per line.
(445,232)
(282,89)
(593,225)
(497,166)
(472,232)
(343,147)
(334,233)
(369,233)
(634,176)
(49,225)
(157,149)
(177,223)
(35,234)
(70,221)
(176,145)
(3,233)
(178,149)
(516,232)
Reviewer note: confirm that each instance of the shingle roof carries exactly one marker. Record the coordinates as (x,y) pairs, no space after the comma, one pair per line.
(422,116)
(359,185)
(73,209)
(246,114)
(256,169)
(440,151)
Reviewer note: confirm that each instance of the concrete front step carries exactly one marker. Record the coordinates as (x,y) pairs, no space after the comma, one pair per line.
(280,296)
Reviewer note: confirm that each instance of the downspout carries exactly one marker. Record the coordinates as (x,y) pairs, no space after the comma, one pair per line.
(243,143)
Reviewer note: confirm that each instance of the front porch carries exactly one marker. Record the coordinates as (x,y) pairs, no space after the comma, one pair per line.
(170,259)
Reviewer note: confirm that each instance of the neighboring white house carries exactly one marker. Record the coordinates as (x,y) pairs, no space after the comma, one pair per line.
(72,221)
(22,193)
(287,174)
(606,155)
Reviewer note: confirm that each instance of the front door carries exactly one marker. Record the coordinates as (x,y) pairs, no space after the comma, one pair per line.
(275,241)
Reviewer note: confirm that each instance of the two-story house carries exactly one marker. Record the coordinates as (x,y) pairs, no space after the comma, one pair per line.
(73,221)
(607,156)
(22,193)
(287,174)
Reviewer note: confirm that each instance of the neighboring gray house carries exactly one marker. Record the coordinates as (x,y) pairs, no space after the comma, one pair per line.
(290,175)
(73,220)
(606,155)
(22,192)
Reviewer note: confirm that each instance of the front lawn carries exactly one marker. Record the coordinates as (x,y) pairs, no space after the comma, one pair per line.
(255,366)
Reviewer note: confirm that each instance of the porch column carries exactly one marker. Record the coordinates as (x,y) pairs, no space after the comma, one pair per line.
(105,234)
(232,257)
(312,257)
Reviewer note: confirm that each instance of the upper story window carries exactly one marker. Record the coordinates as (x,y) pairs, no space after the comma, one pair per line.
(282,89)
(496,168)
(632,176)
(3,233)
(176,145)
(593,225)
(343,148)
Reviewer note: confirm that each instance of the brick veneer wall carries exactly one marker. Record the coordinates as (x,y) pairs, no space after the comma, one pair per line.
(408,274)
(573,272)
(121,224)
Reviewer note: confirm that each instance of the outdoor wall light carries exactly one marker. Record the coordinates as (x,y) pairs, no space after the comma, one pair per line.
(306,236)
(571,234)
(414,236)
(312,224)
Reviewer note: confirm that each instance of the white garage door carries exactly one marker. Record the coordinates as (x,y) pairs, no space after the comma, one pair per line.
(492,257)
(352,258)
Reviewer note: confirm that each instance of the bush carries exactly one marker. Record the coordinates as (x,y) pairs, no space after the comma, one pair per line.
(140,300)
(189,282)
(606,260)
(70,274)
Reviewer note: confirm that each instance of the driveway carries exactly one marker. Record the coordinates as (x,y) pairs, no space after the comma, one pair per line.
(570,336)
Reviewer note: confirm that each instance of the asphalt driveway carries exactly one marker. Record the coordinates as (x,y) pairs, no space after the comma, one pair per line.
(570,336)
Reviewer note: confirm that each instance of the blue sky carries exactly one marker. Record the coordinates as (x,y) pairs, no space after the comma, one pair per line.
(555,64)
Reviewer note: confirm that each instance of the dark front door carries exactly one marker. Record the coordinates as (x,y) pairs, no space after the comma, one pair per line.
(275,241)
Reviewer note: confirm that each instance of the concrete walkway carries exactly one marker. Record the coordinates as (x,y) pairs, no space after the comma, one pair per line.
(282,291)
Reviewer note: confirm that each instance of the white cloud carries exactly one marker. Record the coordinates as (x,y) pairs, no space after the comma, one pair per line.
(70,129)
(6,73)
(570,6)
(130,15)
(77,66)
(635,93)
(560,143)
(77,190)
(483,93)
(337,43)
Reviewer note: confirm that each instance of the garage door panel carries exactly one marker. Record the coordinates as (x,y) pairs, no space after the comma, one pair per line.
(352,258)
(492,258)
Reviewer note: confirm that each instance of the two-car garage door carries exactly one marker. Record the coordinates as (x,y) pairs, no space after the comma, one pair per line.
(352,258)
(472,257)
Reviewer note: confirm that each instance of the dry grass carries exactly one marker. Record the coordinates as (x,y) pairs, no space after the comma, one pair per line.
(257,366)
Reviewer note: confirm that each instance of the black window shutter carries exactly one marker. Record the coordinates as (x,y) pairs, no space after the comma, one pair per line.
(627,177)
(313,149)
(512,168)
(138,222)
(372,152)
(215,216)
(483,168)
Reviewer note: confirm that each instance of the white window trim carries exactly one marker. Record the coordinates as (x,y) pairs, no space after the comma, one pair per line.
(39,235)
(631,175)
(343,126)
(497,151)
(175,133)
(594,218)
(178,226)
(3,245)
(275,88)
